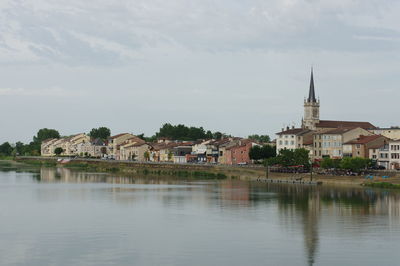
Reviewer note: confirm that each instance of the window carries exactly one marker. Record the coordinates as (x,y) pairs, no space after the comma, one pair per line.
(292,142)
(280,142)
(286,142)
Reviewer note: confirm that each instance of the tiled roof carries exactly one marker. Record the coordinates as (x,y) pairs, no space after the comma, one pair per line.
(340,130)
(364,139)
(117,136)
(294,131)
(337,124)
(134,144)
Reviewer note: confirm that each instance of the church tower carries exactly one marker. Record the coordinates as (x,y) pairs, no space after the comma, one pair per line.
(311,107)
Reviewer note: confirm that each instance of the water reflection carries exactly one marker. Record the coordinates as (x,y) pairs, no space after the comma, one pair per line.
(304,215)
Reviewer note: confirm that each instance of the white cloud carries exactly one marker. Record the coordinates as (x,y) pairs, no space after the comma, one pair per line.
(114,32)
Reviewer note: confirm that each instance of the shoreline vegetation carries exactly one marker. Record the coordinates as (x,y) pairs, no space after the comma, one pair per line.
(217,172)
(126,168)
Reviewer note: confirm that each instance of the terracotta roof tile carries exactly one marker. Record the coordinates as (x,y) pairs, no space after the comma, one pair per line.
(337,124)
(364,139)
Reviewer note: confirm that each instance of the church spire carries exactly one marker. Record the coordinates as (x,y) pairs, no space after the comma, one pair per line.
(311,94)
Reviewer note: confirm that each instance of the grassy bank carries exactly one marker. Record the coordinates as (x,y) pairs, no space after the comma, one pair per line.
(382,185)
(6,158)
(202,171)
(126,168)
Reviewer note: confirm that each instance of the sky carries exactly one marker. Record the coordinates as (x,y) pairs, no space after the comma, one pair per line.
(239,67)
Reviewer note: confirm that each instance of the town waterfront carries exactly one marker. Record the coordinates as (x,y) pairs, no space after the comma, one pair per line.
(59,216)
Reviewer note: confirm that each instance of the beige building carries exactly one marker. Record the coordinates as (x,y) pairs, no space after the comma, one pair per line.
(294,138)
(114,143)
(329,142)
(167,152)
(380,154)
(135,151)
(361,146)
(68,144)
(47,148)
(95,148)
(391,133)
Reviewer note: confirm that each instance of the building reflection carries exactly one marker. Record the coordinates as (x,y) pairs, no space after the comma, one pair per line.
(300,207)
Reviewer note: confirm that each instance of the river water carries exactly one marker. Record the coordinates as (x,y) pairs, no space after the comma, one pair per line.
(53,216)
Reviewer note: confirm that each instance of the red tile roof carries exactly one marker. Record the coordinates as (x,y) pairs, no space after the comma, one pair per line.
(337,124)
(364,139)
(294,131)
(339,130)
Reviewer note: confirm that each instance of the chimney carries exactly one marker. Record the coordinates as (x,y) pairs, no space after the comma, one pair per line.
(293,127)
(287,128)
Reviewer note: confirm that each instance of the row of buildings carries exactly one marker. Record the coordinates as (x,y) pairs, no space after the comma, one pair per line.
(338,139)
(129,147)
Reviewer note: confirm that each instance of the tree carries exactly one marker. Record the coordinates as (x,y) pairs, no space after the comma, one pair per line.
(328,163)
(6,149)
(217,135)
(255,153)
(100,133)
(19,148)
(44,134)
(355,164)
(260,138)
(262,152)
(146,155)
(58,150)
(288,157)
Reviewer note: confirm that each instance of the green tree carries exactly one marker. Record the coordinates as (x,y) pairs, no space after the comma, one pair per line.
(6,149)
(355,164)
(260,138)
(255,153)
(262,152)
(44,134)
(146,155)
(101,133)
(288,157)
(217,135)
(328,163)
(19,148)
(58,150)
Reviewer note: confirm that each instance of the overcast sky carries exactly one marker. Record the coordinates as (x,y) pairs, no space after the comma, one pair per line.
(235,66)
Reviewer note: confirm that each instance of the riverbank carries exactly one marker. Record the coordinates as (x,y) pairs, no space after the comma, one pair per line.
(207,171)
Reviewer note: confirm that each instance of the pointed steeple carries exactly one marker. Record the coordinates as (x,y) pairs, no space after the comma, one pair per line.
(311,94)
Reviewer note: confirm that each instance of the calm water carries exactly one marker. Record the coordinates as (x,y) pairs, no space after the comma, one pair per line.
(61,217)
